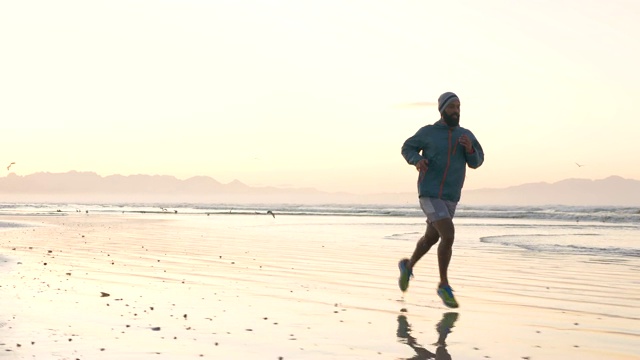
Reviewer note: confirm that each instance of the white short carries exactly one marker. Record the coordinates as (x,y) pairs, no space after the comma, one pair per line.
(437,209)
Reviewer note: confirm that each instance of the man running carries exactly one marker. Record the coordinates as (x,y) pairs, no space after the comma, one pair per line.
(441,152)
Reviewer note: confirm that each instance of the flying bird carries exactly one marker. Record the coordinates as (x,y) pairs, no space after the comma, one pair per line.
(579,165)
(9,167)
(272,214)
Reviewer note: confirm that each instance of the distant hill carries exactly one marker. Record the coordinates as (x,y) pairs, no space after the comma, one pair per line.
(613,191)
(76,186)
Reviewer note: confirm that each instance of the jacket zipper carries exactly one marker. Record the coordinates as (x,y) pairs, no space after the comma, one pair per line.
(444,176)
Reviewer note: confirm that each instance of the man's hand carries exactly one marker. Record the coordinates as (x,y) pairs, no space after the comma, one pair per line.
(466,142)
(422,165)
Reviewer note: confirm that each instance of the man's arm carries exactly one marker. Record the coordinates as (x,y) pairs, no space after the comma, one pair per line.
(474,154)
(412,147)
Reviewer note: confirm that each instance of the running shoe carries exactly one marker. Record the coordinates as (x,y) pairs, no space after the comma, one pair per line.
(405,274)
(446,294)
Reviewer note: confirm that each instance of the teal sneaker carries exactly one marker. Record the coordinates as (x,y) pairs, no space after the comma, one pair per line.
(446,294)
(405,274)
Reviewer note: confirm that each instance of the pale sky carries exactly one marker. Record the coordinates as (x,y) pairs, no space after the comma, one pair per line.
(317,93)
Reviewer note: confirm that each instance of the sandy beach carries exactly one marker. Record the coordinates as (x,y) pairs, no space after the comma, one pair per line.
(171,286)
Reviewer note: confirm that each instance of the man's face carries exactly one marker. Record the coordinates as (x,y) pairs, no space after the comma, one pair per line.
(451,114)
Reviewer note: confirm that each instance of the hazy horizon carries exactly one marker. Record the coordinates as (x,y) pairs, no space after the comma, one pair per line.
(318,94)
(90,187)
(294,186)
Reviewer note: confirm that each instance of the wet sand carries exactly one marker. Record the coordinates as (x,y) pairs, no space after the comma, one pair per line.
(255,287)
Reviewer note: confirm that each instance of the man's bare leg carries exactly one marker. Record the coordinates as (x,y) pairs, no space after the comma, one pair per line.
(425,243)
(446,231)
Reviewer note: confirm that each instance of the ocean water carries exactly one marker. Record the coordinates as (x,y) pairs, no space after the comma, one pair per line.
(628,215)
(571,230)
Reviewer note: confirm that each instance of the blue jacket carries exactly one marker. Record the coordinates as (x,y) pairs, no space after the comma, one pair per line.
(448,160)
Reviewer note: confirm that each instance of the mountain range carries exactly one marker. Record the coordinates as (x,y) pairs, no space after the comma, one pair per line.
(611,191)
(76,186)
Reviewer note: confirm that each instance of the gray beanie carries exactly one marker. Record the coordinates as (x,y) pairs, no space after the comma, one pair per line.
(445,99)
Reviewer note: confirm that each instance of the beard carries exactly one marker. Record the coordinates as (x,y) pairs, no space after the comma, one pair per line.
(451,120)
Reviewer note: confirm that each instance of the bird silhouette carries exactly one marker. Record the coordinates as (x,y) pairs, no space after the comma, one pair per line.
(272,214)
(9,167)
(579,165)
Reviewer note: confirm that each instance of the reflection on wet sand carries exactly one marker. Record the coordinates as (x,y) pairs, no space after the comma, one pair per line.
(443,328)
